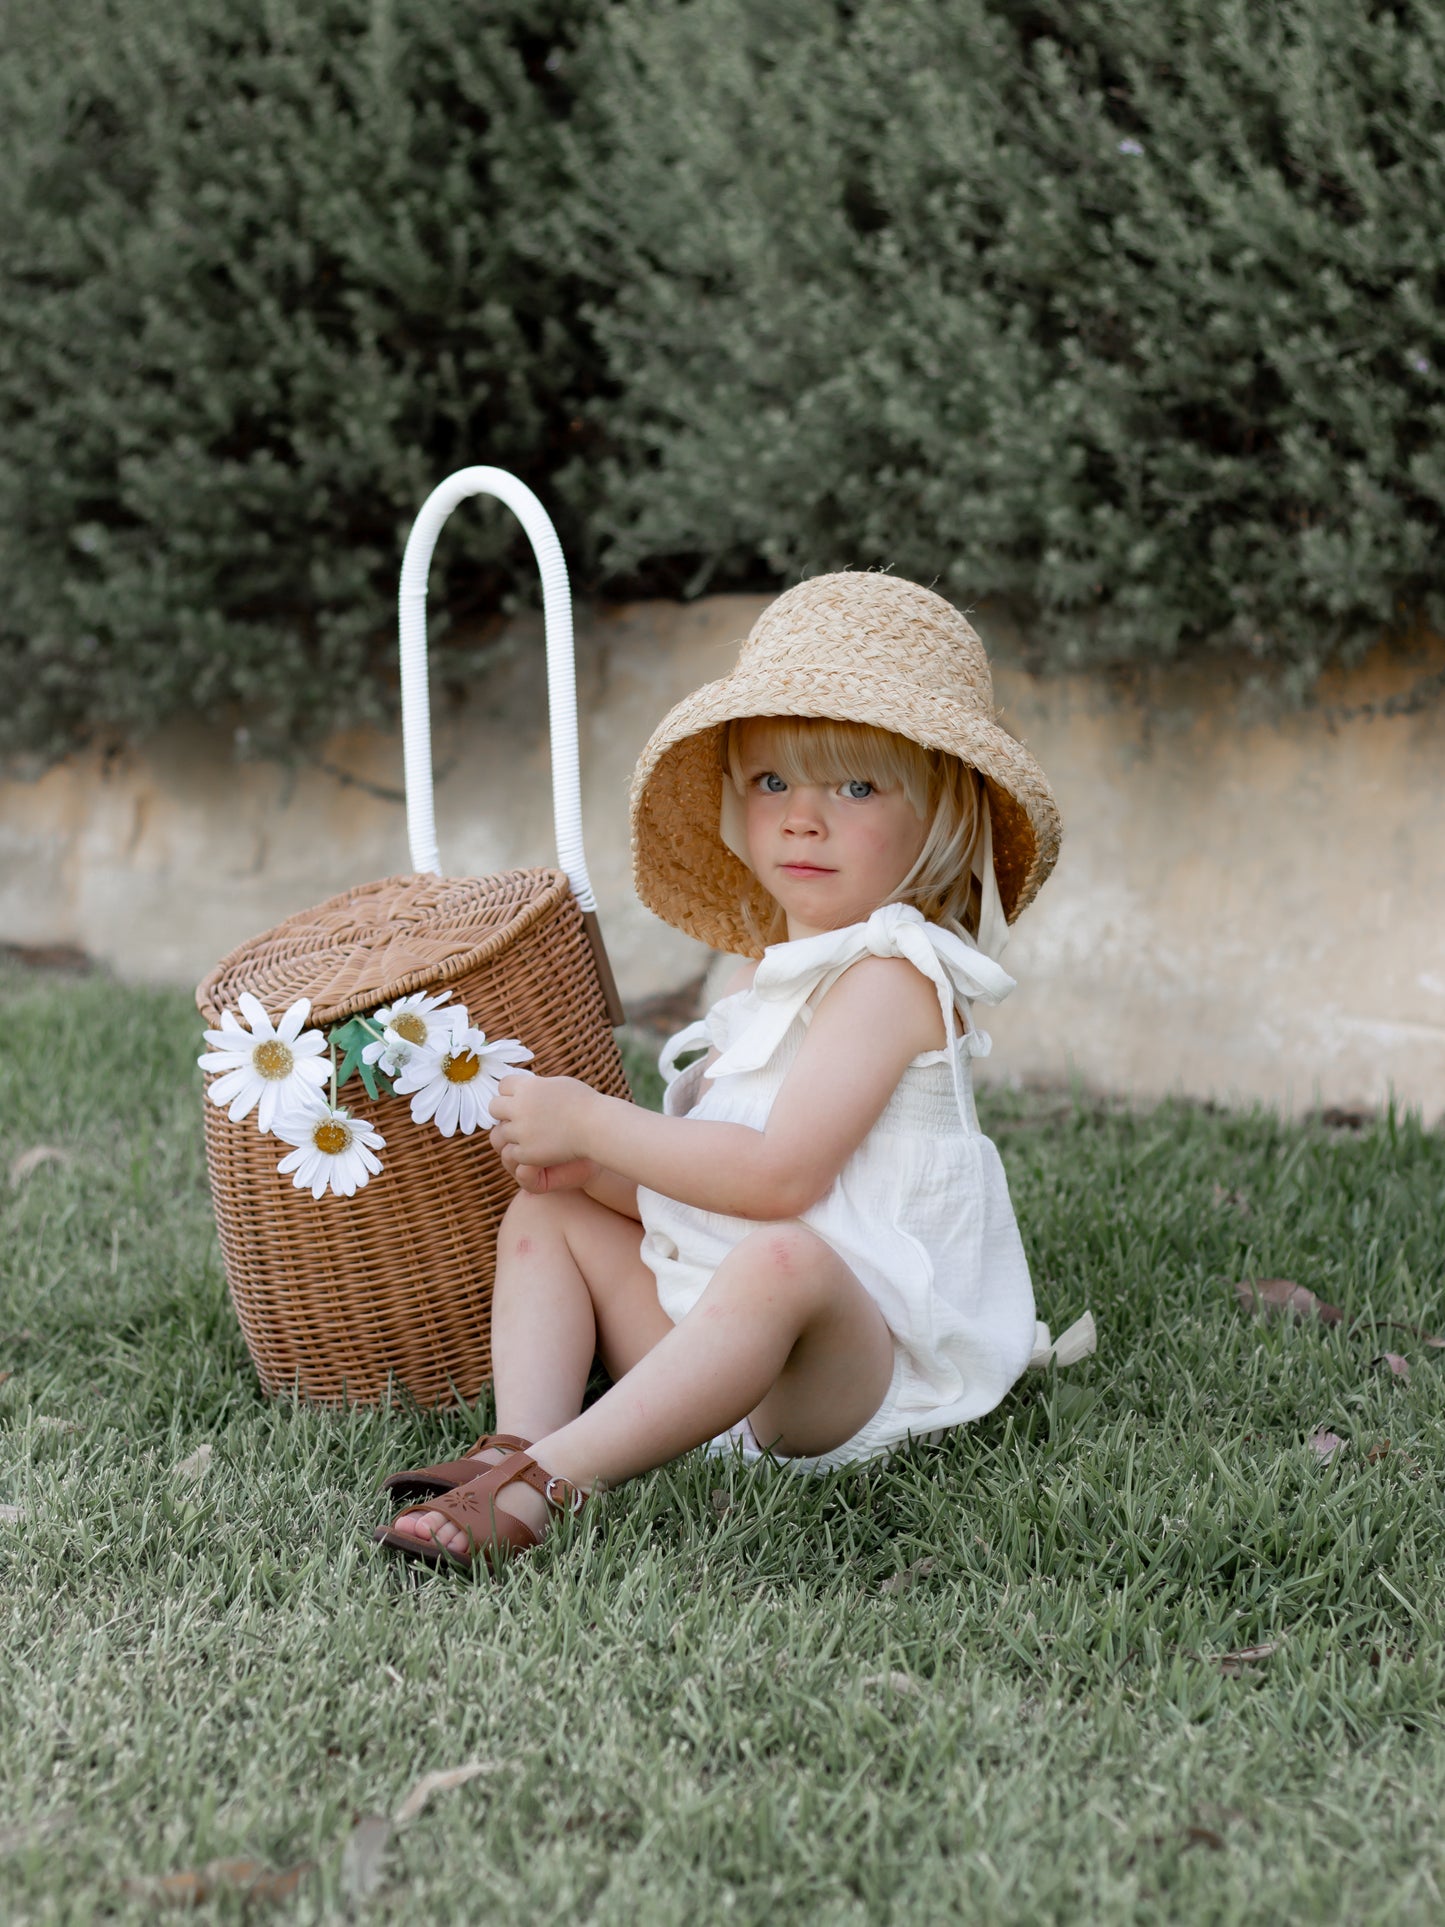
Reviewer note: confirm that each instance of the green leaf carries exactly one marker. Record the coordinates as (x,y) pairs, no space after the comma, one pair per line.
(351,1039)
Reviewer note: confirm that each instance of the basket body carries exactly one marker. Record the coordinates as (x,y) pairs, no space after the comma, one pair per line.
(357,1300)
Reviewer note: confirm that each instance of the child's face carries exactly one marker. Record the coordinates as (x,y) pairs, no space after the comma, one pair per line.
(830,853)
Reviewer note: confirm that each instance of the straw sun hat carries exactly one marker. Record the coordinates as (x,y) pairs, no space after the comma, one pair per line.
(855,647)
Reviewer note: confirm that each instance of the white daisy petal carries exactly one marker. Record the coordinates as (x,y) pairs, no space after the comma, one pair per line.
(290,1026)
(244,1102)
(220,1060)
(227,1087)
(260,1024)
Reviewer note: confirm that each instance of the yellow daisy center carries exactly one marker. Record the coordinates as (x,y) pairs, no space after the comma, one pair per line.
(462,1068)
(331,1137)
(272,1059)
(411,1027)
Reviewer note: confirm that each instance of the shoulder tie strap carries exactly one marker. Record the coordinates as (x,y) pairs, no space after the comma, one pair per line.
(790,972)
(694,1037)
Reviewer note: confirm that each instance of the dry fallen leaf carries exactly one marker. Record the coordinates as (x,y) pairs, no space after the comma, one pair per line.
(440,1782)
(1377,1452)
(895,1682)
(363,1856)
(31,1160)
(1234,1663)
(902,1580)
(1281,1297)
(1398,1367)
(5,1375)
(196,1464)
(11,1515)
(253,1878)
(1203,1837)
(1325,1443)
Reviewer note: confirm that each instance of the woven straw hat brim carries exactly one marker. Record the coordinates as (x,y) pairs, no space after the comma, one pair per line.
(686,874)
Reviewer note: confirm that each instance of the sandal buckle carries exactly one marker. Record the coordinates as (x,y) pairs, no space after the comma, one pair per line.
(573,1505)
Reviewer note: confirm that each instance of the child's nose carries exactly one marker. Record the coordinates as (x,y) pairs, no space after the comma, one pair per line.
(805,811)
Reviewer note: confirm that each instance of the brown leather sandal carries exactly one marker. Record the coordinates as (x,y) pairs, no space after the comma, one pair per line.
(495,1536)
(451,1473)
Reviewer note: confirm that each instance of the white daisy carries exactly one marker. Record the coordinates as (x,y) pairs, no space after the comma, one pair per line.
(333,1149)
(455,1086)
(279,1064)
(411,1024)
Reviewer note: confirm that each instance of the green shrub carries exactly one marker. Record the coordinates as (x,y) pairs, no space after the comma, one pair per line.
(1127,315)
(262,289)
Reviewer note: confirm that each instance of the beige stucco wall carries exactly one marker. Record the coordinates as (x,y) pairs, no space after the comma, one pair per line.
(1248,906)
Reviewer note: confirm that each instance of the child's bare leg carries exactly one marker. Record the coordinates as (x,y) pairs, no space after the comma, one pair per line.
(570,1283)
(784,1333)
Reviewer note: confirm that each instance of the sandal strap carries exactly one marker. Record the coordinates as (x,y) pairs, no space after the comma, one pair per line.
(472,1510)
(449,1473)
(559,1493)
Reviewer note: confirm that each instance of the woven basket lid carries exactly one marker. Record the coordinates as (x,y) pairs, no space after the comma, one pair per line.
(382,941)
(856,647)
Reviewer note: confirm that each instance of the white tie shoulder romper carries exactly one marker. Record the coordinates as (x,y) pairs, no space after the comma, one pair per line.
(920,1212)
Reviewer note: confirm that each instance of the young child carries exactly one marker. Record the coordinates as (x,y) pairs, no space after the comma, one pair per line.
(811,1252)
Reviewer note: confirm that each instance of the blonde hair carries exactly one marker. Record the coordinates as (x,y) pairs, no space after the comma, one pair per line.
(943,792)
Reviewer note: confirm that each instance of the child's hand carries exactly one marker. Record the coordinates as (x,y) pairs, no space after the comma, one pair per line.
(549,1177)
(540,1122)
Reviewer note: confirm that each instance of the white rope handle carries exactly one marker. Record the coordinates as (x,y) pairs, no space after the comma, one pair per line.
(561,670)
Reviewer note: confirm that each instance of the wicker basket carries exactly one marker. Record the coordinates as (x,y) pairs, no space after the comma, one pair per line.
(354,1300)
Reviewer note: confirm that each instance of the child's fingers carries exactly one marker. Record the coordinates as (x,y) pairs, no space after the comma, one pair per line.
(508,1087)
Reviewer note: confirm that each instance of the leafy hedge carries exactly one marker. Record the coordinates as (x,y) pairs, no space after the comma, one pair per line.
(1129,316)
(262,286)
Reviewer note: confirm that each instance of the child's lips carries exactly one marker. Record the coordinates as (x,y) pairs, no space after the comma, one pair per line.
(805,870)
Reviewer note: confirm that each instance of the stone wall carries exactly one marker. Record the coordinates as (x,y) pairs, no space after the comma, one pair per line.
(1249,906)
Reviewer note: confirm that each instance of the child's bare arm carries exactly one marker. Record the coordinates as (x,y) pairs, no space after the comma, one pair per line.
(585,1174)
(880,1015)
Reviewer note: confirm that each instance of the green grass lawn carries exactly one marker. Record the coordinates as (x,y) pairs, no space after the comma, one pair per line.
(985,1683)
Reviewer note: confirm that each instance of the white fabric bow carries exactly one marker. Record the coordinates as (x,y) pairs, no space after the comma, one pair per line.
(790,973)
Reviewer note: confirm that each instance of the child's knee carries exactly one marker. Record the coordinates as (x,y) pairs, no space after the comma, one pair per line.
(530,1215)
(792,1255)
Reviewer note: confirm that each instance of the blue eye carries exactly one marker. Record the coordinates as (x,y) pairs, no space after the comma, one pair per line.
(771,784)
(857,789)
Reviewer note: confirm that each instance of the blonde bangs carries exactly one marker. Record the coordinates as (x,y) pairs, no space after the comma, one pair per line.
(818,749)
